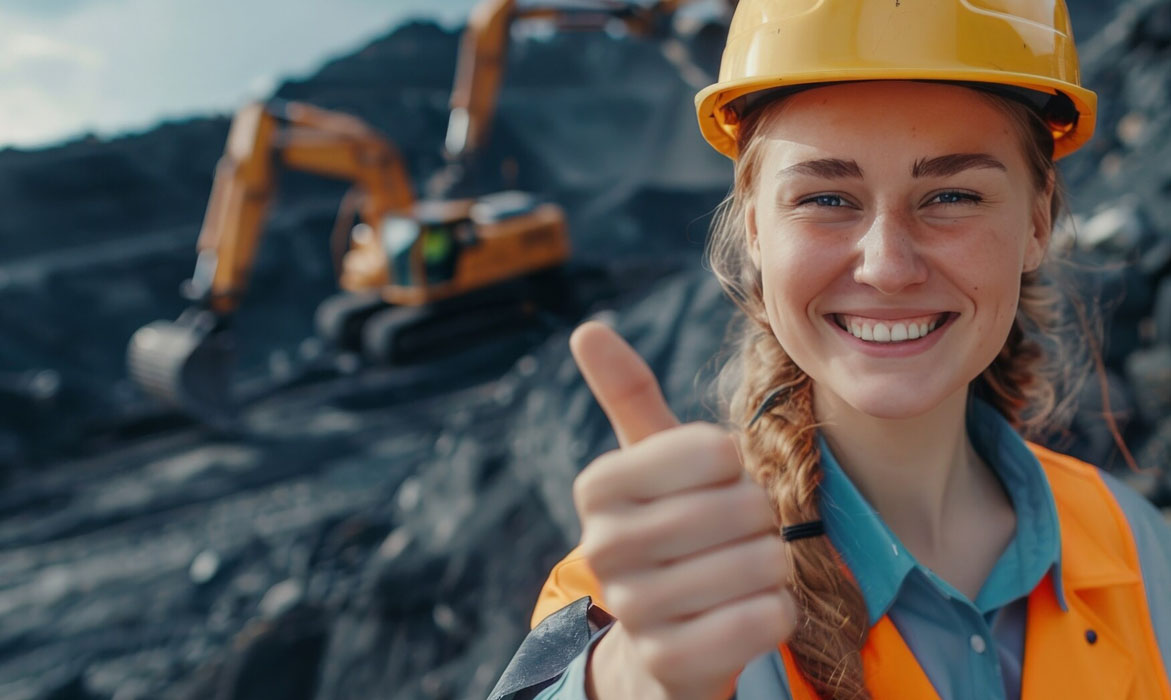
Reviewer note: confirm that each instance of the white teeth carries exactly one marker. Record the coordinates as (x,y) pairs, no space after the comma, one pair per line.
(880,332)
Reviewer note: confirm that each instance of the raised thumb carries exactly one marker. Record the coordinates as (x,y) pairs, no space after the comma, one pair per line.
(622,383)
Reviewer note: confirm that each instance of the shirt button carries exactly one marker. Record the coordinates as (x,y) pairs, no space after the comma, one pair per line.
(978,644)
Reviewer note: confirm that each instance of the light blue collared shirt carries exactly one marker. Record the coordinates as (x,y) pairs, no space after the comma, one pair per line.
(970,650)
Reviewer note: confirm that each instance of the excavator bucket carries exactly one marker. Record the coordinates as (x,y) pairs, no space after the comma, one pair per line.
(186,363)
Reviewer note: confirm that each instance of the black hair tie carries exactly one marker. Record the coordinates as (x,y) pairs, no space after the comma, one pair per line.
(800,531)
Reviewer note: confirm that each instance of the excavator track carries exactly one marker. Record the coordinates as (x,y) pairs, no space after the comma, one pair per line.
(403,335)
(339,320)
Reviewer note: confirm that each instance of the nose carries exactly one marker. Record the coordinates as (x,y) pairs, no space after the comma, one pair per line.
(889,260)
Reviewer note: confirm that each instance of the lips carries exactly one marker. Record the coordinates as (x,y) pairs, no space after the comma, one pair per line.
(891,329)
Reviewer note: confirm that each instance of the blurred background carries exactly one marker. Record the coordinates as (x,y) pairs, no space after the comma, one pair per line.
(323,454)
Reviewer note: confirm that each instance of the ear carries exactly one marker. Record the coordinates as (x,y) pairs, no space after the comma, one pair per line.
(753,242)
(1041,229)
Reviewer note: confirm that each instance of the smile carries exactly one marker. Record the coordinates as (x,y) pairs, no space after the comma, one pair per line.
(890,330)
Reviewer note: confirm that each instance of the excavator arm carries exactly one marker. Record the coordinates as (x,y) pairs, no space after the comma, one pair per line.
(484,46)
(265,138)
(188,361)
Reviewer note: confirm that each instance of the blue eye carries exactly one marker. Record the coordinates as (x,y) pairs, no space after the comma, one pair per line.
(834,201)
(957,198)
(825,200)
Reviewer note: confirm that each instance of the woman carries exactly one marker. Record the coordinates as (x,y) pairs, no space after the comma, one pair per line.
(885,239)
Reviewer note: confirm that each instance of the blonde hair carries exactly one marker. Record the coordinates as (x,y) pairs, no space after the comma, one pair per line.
(780,449)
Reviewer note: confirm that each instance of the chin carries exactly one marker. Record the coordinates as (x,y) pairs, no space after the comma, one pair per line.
(898,402)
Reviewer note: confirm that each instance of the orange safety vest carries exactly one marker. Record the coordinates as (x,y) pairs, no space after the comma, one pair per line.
(1103,588)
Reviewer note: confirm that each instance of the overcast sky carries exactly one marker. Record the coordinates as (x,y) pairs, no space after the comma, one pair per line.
(108,66)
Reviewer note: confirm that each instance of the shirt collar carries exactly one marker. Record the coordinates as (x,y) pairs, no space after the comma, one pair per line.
(879,561)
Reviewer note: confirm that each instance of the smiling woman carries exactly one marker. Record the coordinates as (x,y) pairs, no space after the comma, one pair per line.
(886,241)
(924,214)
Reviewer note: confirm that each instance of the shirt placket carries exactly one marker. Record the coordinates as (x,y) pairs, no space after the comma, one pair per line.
(973,632)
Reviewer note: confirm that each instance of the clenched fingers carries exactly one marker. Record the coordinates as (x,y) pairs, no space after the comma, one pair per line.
(676,526)
(717,643)
(675,592)
(684,458)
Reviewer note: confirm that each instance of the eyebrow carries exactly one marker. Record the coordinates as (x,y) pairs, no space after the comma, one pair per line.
(827,168)
(941,166)
(954,163)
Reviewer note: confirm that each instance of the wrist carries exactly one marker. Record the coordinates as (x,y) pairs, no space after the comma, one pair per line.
(607,675)
(596,658)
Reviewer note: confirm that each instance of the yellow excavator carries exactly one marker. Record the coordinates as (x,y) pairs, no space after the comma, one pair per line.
(418,274)
(411,255)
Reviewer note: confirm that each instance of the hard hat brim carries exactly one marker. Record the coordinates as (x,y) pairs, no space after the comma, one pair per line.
(719,128)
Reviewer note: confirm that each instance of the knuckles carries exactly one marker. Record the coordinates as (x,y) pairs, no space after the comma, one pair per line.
(626,604)
(777,620)
(771,559)
(613,545)
(752,507)
(605,549)
(714,447)
(699,445)
(588,485)
(744,631)
(638,605)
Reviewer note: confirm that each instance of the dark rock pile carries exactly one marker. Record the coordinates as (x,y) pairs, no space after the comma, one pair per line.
(383,534)
(1119,188)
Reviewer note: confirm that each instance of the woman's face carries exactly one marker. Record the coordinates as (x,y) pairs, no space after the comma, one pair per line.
(891,223)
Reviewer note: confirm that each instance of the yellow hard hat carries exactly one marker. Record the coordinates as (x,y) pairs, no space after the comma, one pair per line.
(1021,47)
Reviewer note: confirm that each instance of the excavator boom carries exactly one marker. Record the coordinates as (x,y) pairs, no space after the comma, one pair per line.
(187,362)
(484,47)
(263,139)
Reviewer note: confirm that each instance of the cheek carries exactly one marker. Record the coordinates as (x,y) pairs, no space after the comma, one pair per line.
(794,271)
(988,269)
(997,299)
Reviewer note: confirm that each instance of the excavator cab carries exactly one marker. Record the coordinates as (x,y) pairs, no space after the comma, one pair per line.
(429,242)
(399,235)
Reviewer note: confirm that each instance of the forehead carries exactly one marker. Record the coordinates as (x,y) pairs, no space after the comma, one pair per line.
(888,120)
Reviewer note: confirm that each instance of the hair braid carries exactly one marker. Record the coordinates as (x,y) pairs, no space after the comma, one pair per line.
(781,454)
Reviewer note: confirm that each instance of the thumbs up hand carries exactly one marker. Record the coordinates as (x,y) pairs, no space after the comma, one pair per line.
(684,544)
